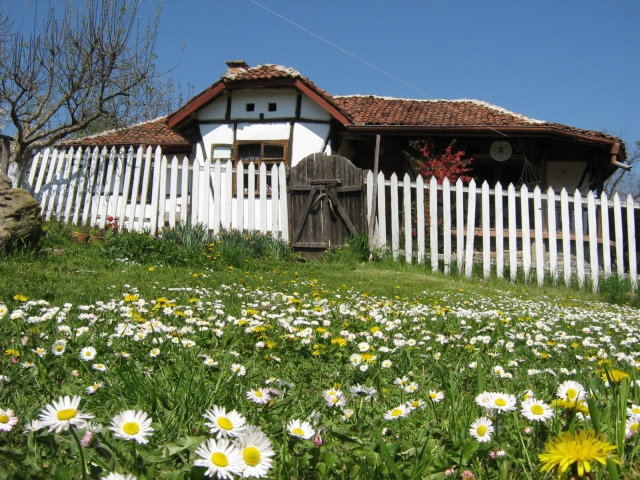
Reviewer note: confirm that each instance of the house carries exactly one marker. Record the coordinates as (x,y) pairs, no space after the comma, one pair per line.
(273,114)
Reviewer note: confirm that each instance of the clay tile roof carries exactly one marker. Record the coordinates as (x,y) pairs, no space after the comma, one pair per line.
(152,132)
(261,72)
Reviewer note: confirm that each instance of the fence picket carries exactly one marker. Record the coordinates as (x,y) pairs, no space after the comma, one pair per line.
(29,186)
(499,231)
(135,188)
(55,182)
(446,224)
(105,185)
(395,227)
(97,191)
(227,203)
(513,239)
(606,245)
(127,168)
(459,225)
(382,212)
(408,230)
(263,198)
(566,236)
(433,222)
(284,211)
(526,232)
(471,226)
(240,201)
(115,198)
(42,170)
(579,232)
(217,196)
(196,176)
(617,220)
(184,191)
(173,192)
(162,194)
(73,183)
(251,210)
(47,186)
(275,190)
(631,232)
(89,185)
(539,241)
(593,241)
(551,230)
(146,175)
(205,192)
(486,231)
(420,227)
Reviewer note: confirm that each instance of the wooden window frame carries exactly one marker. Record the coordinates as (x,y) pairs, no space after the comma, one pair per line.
(268,161)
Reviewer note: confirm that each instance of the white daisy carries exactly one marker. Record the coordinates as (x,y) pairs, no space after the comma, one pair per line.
(256,450)
(210,362)
(58,347)
(537,410)
(99,366)
(88,353)
(300,429)
(259,395)
(94,388)
(224,424)
(220,458)
(154,352)
(412,387)
(120,476)
(502,402)
(484,400)
(132,425)
(60,415)
(396,413)
(238,369)
(633,410)
(8,420)
(436,397)
(386,364)
(571,390)
(632,425)
(481,429)
(32,426)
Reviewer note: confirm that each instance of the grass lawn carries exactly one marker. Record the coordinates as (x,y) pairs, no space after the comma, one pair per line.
(213,362)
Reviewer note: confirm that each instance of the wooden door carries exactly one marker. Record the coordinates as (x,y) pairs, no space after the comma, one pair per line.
(326,195)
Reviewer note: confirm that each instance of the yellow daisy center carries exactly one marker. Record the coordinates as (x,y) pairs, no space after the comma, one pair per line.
(219,459)
(633,427)
(58,348)
(67,414)
(131,428)
(251,456)
(572,393)
(335,399)
(482,429)
(501,402)
(88,353)
(537,410)
(258,393)
(635,410)
(396,412)
(225,423)
(298,431)
(4,418)
(433,395)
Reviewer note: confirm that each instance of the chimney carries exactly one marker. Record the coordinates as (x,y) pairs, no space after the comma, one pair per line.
(236,66)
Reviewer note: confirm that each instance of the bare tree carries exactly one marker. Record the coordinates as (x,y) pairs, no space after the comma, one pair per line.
(626,182)
(75,68)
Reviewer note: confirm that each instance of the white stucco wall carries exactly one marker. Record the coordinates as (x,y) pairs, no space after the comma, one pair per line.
(263,131)
(216,110)
(565,175)
(308,138)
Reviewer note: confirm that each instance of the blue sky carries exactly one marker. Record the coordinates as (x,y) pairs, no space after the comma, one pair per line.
(571,62)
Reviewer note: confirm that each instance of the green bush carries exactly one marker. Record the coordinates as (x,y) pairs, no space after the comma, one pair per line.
(191,237)
(145,249)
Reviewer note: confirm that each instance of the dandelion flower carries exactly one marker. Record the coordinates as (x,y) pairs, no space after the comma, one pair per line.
(260,395)
(482,429)
(300,429)
(132,425)
(87,353)
(60,415)
(220,458)
(576,450)
(256,450)
(224,424)
(571,390)
(398,412)
(536,410)
(8,420)
(614,375)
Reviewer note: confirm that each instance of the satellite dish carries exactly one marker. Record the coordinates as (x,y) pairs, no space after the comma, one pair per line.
(500,151)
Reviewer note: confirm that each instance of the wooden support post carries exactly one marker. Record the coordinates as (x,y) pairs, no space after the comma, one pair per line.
(374,199)
(6,150)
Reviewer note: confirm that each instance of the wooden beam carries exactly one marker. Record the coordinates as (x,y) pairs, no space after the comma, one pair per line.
(6,149)
(195,104)
(374,199)
(324,104)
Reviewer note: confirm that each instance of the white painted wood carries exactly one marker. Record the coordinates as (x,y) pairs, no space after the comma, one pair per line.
(206,193)
(29,186)
(420,218)
(42,170)
(155,192)
(486,230)
(105,198)
(83,175)
(173,192)
(227,204)
(146,175)
(217,196)
(499,231)
(45,191)
(55,182)
(99,187)
(566,236)
(606,238)
(382,213)
(135,188)
(184,191)
(446,224)
(552,231)
(162,193)
(263,198)
(471,226)
(526,232)
(579,232)
(408,229)
(593,241)
(251,186)
(539,240)
(284,211)
(90,182)
(459,226)
(240,202)
(617,220)
(369,185)
(196,175)
(395,228)
(115,199)
(275,207)
(127,169)
(513,238)
(631,240)
(433,223)
(72,202)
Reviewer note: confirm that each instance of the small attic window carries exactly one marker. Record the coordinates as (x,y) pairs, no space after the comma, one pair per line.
(273,107)
(250,107)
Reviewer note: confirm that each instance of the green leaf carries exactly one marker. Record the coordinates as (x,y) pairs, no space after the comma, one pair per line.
(345,438)
(468,450)
(387,457)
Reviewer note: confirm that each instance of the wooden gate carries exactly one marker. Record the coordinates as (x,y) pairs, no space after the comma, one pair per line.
(326,194)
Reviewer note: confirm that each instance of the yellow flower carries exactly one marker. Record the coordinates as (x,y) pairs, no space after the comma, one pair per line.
(131,298)
(576,450)
(339,341)
(20,298)
(12,352)
(151,269)
(579,405)
(614,375)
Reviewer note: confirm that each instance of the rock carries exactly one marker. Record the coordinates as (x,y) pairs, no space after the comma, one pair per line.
(20,218)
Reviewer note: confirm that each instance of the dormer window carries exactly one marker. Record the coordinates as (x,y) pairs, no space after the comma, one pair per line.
(250,107)
(273,107)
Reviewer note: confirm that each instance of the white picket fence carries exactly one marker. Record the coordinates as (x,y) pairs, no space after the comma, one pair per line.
(146,190)
(545,232)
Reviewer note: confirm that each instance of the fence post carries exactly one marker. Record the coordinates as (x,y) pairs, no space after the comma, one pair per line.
(593,241)
(579,232)
(486,231)
(433,225)
(459,225)
(499,231)
(408,230)
(606,244)
(539,241)
(471,226)
(420,227)
(617,220)
(513,239)
(446,224)
(395,227)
